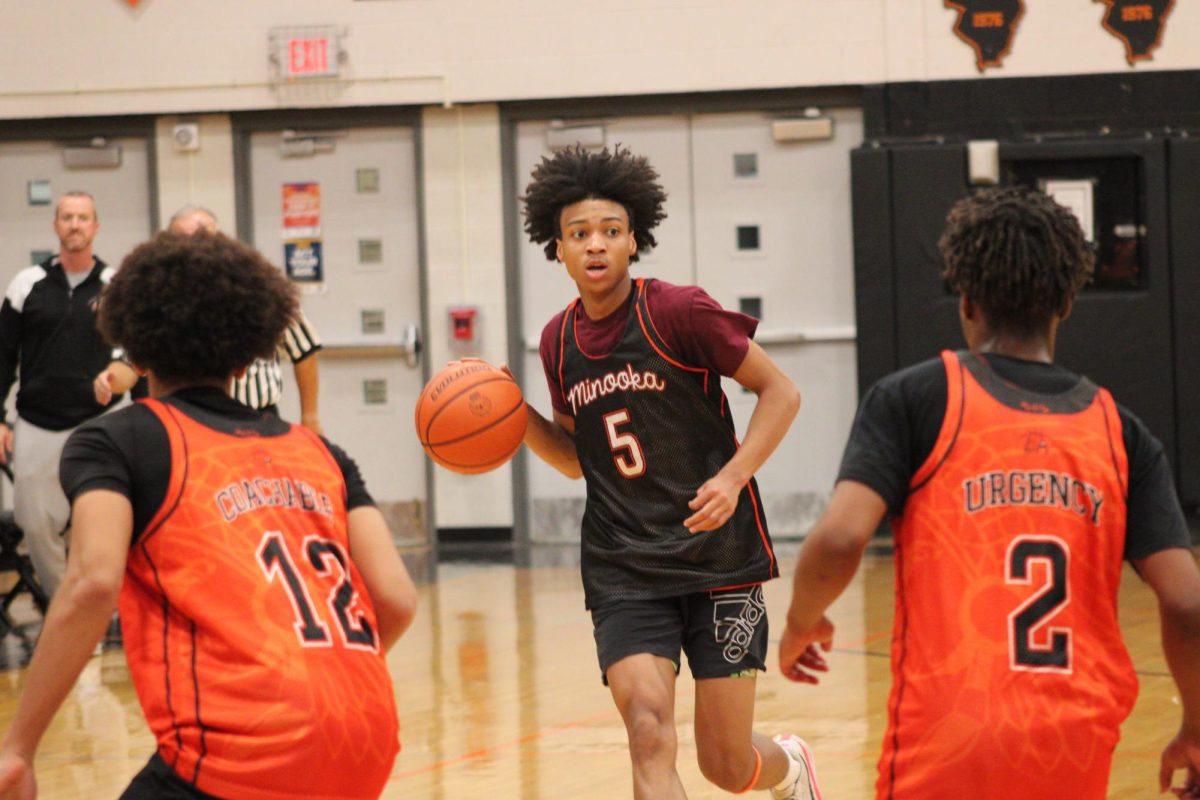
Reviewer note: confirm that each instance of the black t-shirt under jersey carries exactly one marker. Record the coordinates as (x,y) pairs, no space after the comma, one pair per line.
(128,451)
(899,419)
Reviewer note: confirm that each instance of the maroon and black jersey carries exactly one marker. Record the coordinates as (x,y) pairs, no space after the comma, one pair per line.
(649,430)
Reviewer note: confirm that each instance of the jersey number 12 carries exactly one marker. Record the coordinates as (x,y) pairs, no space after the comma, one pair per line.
(326,558)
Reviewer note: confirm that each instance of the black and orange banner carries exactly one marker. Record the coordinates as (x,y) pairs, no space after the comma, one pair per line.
(1137,23)
(989,26)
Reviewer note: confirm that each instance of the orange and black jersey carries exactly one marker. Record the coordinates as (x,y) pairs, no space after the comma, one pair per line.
(900,416)
(649,430)
(129,453)
(1007,655)
(250,637)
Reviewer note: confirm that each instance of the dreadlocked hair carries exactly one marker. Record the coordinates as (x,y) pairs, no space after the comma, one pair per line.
(1017,254)
(574,174)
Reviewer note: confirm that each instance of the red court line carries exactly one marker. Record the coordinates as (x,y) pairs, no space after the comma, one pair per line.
(487,751)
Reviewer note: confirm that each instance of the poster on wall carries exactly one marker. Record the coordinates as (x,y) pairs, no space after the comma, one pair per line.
(301,210)
(1137,23)
(988,26)
(302,260)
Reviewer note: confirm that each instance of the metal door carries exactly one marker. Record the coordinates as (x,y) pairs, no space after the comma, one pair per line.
(360,283)
(37,174)
(726,176)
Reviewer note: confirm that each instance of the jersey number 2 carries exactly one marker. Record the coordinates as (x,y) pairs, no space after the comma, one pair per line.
(627,450)
(327,559)
(1032,643)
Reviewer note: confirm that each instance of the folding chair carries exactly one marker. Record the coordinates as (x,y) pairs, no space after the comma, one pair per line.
(12,560)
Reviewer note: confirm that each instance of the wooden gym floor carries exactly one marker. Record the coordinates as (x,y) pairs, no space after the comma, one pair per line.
(499,693)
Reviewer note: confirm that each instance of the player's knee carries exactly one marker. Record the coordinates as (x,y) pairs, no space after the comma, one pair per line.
(727,768)
(651,733)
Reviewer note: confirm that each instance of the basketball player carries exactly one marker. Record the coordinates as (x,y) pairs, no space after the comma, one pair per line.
(1016,488)
(675,545)
(260,584)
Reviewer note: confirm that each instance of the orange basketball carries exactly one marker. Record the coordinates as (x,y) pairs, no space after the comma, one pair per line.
(470,417)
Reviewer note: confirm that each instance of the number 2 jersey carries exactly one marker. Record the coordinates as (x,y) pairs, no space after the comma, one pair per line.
(250,638)
(1010,677)
(650,428)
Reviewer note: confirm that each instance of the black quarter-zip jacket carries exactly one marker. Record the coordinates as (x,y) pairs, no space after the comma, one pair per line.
(49,329)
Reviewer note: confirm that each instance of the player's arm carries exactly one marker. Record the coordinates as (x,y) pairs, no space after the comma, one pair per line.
(1173,576)
(553,441)
(101,528)
(827,562)
(117,378)
(383,572)
(778,402)
(308,385)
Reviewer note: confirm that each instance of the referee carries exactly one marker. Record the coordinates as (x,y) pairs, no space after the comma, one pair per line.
(262,385)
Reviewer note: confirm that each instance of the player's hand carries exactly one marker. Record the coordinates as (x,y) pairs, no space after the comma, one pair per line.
(16,778)
(1182,753)
(102,387)
(800,651)
(714,504)
(6,443)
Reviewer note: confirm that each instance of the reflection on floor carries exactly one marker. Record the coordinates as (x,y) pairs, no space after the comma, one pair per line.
(500,696)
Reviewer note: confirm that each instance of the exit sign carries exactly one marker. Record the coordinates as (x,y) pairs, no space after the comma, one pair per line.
(312,51)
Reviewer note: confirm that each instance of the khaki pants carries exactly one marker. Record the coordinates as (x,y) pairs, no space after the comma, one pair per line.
(39,506)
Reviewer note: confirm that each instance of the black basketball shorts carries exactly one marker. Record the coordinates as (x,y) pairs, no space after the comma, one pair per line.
(722,632)
(157,781)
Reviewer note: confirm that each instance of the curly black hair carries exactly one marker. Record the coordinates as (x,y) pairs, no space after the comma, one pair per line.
(194,309)
(575,174)
(1018,255)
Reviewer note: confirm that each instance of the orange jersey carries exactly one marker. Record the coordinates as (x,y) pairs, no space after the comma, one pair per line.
(1010,677)
(250,641)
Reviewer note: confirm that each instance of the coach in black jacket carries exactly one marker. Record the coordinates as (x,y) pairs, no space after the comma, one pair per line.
(48,327)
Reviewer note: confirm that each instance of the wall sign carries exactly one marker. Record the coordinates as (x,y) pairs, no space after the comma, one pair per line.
(1137,23)
(302,259)
(988,26)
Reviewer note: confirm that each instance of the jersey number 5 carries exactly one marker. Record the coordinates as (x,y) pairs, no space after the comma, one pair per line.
(326,558)
(627,450)
(1032,643)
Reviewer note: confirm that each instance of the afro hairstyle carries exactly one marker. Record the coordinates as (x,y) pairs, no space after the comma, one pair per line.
(575,174)
(194,309)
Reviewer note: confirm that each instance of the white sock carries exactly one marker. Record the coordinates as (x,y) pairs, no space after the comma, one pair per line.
(793,771)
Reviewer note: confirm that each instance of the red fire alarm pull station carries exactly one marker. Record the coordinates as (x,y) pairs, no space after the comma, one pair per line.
(464,334)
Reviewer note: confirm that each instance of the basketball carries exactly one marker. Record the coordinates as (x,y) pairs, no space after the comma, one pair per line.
(470,417)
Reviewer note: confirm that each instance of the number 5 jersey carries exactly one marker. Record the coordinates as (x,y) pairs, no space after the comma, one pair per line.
(650,428)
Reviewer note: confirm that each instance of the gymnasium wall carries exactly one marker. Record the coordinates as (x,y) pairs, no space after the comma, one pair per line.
(161,57)
(466,64)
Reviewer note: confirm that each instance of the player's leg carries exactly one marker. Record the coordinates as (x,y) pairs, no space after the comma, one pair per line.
(638,645)
(726,645)
(643,687)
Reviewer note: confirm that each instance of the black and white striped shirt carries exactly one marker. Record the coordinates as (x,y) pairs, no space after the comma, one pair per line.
(262,384)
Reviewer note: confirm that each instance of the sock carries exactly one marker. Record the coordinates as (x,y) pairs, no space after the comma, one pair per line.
(793,771)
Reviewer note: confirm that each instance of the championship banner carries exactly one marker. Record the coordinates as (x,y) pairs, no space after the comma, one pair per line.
(988,26)
(1137,23)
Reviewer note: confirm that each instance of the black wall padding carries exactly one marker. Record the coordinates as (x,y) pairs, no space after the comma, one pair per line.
(874,279)
(1184,159)
(926,181)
